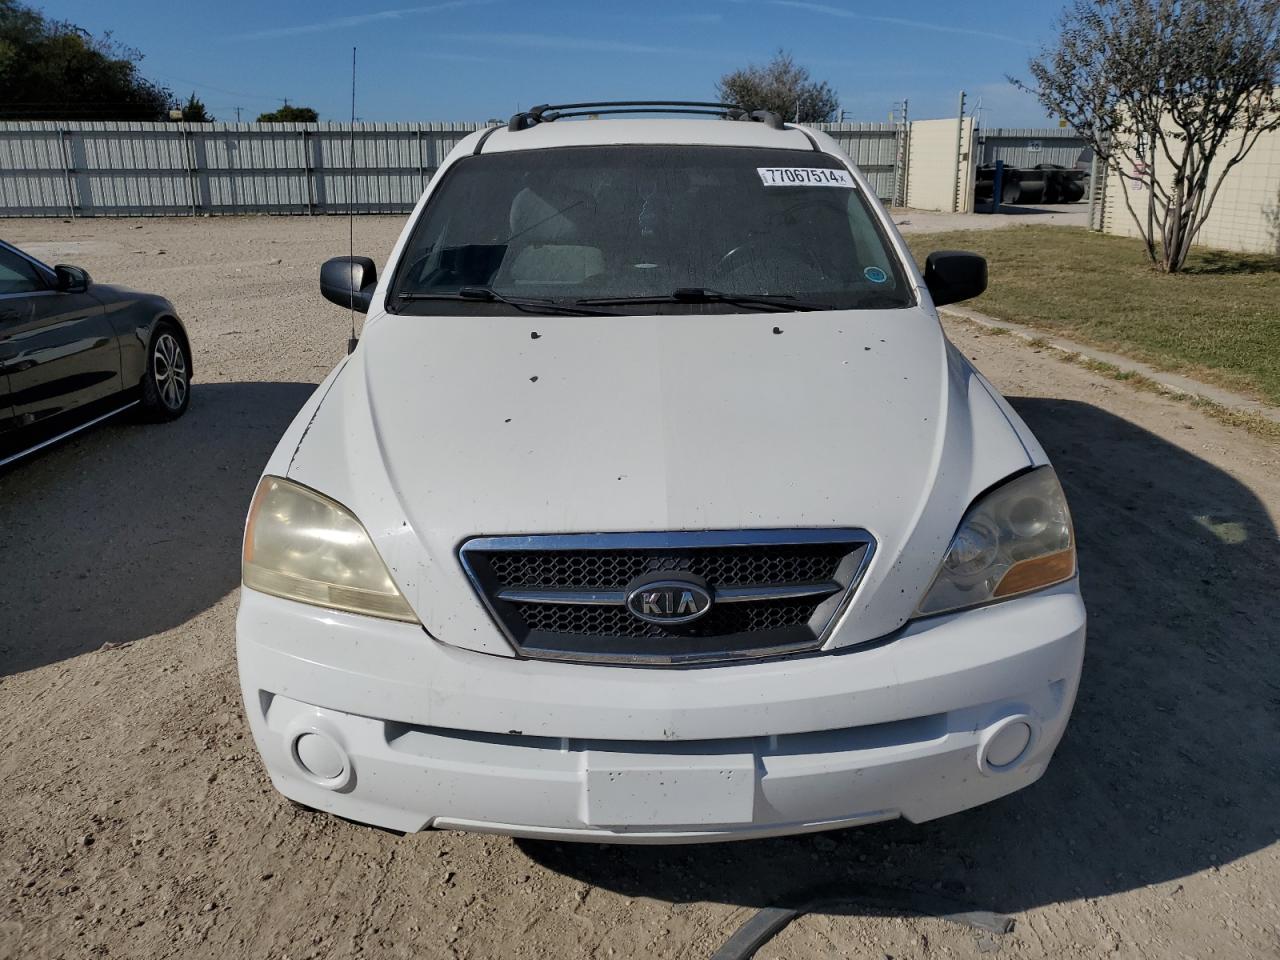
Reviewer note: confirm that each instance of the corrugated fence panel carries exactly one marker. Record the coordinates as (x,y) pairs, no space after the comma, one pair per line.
(256,169)
(370,171)
(50,168)
(91,168)
(1028,148)
(873,147)
(32,171)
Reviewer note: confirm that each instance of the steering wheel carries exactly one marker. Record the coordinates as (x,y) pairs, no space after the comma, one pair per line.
(771,251)
(786,260)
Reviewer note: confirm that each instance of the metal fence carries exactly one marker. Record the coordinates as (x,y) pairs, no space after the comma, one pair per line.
(1025,147)
(874,147)
(123,169)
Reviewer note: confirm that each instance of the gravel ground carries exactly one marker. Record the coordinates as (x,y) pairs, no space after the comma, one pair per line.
(136,821)
(1049,214)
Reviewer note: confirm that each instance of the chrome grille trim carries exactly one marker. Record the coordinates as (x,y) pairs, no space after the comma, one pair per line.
(563,571)
(616,598)
(794,591)
(595,598)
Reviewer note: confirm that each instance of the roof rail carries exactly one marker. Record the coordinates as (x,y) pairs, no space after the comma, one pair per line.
(548,112)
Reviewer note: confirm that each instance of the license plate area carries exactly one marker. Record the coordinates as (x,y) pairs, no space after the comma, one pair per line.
(651,790)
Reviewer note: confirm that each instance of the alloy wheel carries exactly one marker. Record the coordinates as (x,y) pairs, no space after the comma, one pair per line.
(169,367)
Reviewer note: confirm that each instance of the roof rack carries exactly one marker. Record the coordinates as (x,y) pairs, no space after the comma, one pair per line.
(548,112)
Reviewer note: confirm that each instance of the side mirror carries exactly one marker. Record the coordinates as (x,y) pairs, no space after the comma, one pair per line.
(953,275)
(349,282)
(69,279)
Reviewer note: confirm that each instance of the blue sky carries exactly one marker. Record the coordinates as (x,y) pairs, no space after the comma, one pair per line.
(476,59)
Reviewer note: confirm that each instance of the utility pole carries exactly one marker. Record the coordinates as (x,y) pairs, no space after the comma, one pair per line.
(961,166)
(238,109)
(902,160)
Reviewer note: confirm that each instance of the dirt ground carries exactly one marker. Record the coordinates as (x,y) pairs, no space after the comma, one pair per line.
(1045,214)
(136,821)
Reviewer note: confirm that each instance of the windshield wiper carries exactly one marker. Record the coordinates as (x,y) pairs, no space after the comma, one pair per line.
(526,304)
(703,295)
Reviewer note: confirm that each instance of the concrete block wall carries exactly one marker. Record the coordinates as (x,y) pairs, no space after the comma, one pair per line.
(939,178)
(1245,217)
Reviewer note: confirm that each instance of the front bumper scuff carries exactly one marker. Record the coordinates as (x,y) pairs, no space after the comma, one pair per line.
(435,736)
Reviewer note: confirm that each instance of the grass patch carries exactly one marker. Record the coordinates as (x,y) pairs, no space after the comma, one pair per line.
(1254,423)
(1218,322)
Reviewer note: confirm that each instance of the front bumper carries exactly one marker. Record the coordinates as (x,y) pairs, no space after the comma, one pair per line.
(407,733)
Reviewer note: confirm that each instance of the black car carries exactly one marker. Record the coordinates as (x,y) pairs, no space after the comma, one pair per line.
(74,352)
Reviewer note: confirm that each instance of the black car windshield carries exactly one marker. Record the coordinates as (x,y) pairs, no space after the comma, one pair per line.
(648,229)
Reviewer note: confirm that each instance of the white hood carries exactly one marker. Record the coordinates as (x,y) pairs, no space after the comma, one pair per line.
(439,429)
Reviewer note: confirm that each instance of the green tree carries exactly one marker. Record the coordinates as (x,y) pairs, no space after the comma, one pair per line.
(290,114)
(194,111)
(783,87)
(54,70)
(1171,94)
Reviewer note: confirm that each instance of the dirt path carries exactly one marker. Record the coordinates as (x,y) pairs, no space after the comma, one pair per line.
(135,820)
(1040,215)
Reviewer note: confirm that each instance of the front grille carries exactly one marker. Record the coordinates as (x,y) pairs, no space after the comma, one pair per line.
(733,566)
(772,592)
(614,621)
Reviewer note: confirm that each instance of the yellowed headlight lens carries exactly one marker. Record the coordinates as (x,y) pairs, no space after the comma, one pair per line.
(301,545)
(1016,539)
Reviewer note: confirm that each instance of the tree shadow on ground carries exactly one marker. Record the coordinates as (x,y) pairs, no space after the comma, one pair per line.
(1168,766)
(1227,263)
(131,528)
(1028,210)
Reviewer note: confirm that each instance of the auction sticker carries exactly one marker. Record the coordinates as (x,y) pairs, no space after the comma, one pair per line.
(804,177)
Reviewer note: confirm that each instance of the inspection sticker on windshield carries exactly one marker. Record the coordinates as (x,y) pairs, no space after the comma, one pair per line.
(804,177)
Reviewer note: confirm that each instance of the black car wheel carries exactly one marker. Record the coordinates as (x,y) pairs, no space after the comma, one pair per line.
(166,388)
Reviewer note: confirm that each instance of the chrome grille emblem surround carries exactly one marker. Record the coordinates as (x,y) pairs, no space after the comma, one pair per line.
(668,598)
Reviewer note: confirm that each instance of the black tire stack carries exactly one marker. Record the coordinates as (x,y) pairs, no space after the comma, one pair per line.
(1045,183)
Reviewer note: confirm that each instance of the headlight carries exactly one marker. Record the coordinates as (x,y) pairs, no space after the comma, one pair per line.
(1016,539)
(303,546)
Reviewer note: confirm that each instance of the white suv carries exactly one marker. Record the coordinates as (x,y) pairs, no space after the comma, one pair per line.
(654,505)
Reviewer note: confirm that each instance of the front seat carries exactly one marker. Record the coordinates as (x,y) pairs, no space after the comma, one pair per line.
(544,248)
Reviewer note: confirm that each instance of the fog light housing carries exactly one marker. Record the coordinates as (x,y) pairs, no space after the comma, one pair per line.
(1005,743)
(321,759)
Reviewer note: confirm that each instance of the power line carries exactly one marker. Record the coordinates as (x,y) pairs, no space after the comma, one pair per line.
(230,93)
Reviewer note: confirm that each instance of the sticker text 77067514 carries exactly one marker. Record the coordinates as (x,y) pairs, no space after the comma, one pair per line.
(804,177)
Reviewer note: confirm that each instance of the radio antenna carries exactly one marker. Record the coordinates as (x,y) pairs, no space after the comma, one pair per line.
(351,214)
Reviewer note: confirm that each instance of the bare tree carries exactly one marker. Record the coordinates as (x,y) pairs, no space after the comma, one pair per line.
(784,87)
(1172,94)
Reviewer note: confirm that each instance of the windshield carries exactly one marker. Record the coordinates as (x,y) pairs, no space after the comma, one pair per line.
(689,228)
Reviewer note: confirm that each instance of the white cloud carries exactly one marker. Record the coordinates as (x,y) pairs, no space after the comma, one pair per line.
(930,25)
(556,41)
(356,20)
